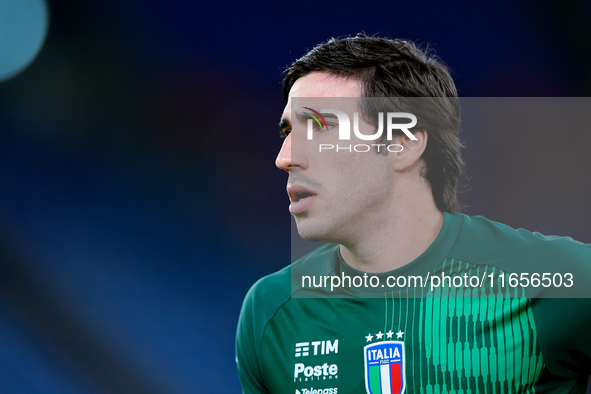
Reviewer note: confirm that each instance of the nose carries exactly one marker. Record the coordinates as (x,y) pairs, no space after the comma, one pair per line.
(283,160)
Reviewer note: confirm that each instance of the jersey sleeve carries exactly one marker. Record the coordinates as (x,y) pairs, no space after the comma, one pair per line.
(260,305)
(246,349)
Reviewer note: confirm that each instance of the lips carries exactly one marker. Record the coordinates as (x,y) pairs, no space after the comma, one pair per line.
(301,198)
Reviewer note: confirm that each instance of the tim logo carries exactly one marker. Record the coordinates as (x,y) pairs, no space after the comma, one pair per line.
(303,349)
(345,124)
(384,367)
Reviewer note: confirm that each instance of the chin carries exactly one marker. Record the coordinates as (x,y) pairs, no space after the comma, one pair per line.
(313,233)
(313,237)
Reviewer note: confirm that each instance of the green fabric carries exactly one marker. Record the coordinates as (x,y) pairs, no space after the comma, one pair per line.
(461,341)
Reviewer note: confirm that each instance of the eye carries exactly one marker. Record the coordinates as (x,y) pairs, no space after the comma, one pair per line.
(284,128)
(283,133)
(322,127)
(330,126)
(318,125)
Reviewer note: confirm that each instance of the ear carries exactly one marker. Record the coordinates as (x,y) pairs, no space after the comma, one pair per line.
(412,150)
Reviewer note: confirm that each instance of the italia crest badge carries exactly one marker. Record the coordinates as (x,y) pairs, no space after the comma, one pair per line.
(384,367)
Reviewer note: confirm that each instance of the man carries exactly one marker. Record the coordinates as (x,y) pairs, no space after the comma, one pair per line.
(379,308)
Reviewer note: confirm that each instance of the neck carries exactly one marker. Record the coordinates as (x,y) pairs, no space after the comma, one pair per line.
(404,233)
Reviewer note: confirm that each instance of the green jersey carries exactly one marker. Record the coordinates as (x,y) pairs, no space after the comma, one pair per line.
(297,336)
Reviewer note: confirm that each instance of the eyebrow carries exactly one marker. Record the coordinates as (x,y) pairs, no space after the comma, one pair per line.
(304,116)
(284,123)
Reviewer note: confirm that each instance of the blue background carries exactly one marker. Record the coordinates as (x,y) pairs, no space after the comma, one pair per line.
(138,194)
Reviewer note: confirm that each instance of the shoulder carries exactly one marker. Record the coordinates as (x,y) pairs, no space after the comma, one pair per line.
(261,303)
(485,241)
(529,254)
(269,293)
(561,323)
(265,297)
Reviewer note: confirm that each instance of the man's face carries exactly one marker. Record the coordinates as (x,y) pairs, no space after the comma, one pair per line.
(335,196)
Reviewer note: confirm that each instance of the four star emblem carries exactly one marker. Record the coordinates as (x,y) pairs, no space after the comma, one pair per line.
(389,335)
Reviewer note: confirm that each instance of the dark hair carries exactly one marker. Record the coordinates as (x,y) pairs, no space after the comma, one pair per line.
(398,71)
